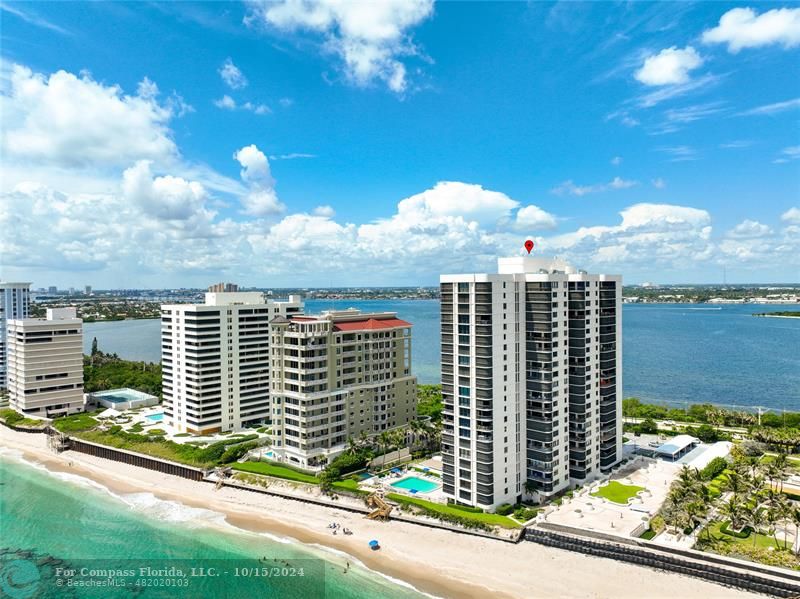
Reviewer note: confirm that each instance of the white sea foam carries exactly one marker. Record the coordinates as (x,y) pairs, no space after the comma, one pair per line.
(166,510)
(175,512)
(357,562)
(68,477)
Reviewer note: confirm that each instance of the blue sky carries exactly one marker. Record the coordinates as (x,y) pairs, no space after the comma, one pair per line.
(299,143)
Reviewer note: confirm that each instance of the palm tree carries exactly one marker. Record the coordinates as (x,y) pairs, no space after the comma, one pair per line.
(776,510)
(686,476)
(732,509)
(398,438)
(755,518)
(384,439)
(693,512)
(735,483)
(794,516)
(530,488)
(770,473)
(781,469)
(414,428)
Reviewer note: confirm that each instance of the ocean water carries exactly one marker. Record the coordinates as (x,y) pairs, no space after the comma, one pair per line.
(671,352)
(51,520)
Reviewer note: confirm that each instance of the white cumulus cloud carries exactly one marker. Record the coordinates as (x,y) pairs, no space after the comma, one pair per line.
(232,76)
(791,216)
(533,218)
(671,66)
(369,37)
(326,211)
(748,229)
(71,121)
(261,199)
(741,28)
(228,103)
(163,197)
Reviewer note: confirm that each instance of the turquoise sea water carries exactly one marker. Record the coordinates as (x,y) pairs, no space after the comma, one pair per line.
(52,520)
(671,352)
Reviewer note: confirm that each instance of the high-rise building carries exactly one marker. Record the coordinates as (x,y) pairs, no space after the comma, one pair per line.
(215,360)
(87,290)
(531,379)
(223,287)
(338,375)
(15,302)
(45,364)
(52,290)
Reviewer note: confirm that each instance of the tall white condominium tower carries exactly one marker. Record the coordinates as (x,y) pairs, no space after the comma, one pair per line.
(45,364)
(531,378)
(15,300)
(215,360)
(338,375)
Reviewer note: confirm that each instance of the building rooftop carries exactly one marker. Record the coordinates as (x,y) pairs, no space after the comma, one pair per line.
(677,444)
(6,285)
(122,395)
(349,320)
(370,324)
(533,264)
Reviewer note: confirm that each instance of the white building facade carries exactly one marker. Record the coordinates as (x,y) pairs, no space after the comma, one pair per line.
(45,364)
(215,360)
(531,379)
(15,301)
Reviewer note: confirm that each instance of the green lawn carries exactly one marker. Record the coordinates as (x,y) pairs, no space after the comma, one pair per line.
(761,540)
(617,492)
(439,508)
(349,485)
(269,469)
(75,423)
(793,463)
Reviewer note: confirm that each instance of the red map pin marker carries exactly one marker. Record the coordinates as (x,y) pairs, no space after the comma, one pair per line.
(529,245)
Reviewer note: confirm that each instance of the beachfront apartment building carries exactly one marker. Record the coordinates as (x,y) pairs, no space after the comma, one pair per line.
(337,375)
(45,364)
(215,360)
(15,302)
(531,380)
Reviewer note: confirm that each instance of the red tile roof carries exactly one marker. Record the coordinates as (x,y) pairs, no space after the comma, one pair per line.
(370,324)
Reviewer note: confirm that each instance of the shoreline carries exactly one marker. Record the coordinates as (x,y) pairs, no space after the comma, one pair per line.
(432,561)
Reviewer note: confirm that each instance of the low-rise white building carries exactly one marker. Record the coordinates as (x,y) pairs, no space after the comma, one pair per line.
(45,364)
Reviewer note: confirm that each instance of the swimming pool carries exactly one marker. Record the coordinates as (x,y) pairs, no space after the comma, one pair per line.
(156,417)
(414,483)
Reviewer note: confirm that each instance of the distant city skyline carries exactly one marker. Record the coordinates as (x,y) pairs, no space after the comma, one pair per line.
(292,144)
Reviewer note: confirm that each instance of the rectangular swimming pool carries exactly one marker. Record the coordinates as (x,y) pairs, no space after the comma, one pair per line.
(414,483)
(156,417)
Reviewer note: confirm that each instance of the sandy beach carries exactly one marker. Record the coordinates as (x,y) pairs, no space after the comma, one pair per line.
(437,562)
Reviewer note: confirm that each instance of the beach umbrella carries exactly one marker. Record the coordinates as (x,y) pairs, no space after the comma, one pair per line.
(413,491)
(373,544)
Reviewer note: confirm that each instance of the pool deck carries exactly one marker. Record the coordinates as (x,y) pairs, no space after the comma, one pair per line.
(596,513)
(129,418)
(384,484)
